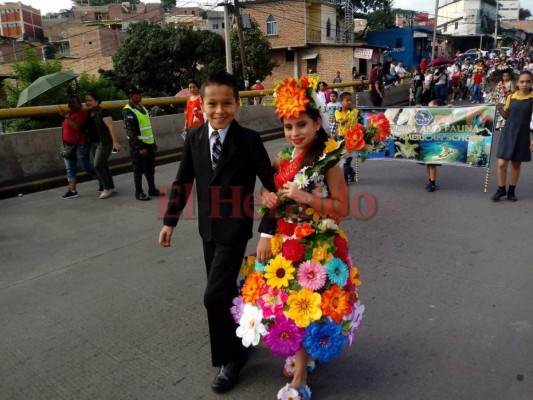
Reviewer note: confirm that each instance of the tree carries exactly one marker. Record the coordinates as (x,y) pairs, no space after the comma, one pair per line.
(257,51)
(163,59)
(168,4)
(523,14)
(379,14)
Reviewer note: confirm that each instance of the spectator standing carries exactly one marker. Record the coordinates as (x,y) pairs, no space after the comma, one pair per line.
(337,78)
(141,142)
(333,106)
(477,79)
(441,84)
(346,117)
(74,133)
(100,123)
(423,65)
(258,86)
(376,85)
(193,109)
(418,85)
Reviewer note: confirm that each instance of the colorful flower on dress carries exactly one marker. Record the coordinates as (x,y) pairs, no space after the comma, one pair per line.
(272,301)
(301,179)
(250,327)
(341,248)
(293,250)
(317,178)
(337,271)
(248,265)
(331,145)
(324,341)
(355,317)
(312,213)
(336,303)
(320,190)
(303,230)
(288,393)
(290,365)
(355,138)
(304,307)
(327,223)
(237,308)
(284,338)
(286,228)
(258,266)
(279,272)
(275,244)
(320,253)
(253,287)
(291,98)
(311,275)
(354,276)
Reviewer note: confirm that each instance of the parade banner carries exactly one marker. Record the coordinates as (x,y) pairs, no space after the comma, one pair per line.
(459,136)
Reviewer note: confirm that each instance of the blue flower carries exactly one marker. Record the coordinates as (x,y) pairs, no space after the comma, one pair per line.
(337,271)
(324,341)
(259,267)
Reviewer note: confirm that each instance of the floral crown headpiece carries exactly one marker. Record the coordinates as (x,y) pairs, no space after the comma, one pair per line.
(293,95)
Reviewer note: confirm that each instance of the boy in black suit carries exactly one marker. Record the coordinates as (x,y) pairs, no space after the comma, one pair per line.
(224,160)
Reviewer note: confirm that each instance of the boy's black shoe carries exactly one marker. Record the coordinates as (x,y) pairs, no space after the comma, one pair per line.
(498,195)
(228,375)
(141,196)
(155,192)
(431,187)
(511,197)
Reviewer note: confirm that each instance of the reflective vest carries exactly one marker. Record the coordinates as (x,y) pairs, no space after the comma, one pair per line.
(147,135)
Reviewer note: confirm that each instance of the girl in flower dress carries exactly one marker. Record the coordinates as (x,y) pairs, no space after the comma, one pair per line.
(303,303)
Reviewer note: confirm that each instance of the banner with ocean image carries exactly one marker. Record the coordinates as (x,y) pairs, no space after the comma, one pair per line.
(459,136)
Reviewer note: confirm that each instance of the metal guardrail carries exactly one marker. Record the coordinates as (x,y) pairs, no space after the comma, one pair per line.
(41,111)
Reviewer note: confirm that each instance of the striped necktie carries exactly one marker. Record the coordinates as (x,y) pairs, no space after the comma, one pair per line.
(217,149)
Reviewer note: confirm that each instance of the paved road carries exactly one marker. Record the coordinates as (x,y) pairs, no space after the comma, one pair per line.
(92,308)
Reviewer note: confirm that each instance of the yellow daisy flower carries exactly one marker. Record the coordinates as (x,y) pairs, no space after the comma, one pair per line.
(331,145)
(304,307)
(279,272)
(320,253)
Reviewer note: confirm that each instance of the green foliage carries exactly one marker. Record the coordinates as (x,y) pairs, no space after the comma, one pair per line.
(31,69)
(380,20)
(257,51)
(161,60)
(168,4)
(524,13)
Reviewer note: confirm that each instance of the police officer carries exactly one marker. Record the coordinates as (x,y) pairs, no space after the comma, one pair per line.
(141,142)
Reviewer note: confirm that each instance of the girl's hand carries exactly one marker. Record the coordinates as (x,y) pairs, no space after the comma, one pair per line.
(117,146)
(270,200)
(290,190)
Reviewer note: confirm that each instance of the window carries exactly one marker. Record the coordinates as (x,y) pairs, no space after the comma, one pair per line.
(328,28)
(457,25)
(215,26)
(399,42)
(272,26)
(289,56)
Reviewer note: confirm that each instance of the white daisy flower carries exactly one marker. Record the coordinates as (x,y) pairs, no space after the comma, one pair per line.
(327,223)
(301,179)
(320,190)
(251,328)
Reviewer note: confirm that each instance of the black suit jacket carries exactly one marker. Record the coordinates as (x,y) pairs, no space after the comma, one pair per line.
(225,196)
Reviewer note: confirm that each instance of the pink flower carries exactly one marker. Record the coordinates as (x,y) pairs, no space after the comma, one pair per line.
(284,338)
(311,275)
(272,301)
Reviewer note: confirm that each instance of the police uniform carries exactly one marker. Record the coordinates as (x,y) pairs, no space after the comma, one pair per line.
(140,136)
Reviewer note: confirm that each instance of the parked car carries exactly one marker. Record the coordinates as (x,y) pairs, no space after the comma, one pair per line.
(475,53)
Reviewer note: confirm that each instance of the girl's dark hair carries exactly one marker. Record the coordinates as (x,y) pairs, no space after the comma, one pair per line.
(194,82)
(95,97)
(74,96)
(526,73)
(319,144)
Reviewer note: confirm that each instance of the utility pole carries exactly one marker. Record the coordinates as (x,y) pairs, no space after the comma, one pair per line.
(227,37)
(238,18)
(496,24)
(434,40)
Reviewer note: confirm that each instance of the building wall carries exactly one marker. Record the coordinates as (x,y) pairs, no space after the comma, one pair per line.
(290,18)
(509,9)
(17,19)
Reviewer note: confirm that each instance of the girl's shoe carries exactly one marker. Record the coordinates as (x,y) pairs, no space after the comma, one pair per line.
(301,393)
(290,364)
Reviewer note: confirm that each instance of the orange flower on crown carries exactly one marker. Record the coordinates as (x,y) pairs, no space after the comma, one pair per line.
(291,98)
(355,138)
(381,125)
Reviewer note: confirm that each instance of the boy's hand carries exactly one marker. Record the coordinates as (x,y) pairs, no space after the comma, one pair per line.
(165,236)
(270,200)
(263,252)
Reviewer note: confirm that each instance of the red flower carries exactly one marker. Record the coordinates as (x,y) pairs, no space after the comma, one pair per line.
(293,250)
(355,138)
(286,228)
(382,125)
(341,248)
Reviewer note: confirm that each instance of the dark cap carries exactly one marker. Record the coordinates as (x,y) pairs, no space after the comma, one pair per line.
(131,88)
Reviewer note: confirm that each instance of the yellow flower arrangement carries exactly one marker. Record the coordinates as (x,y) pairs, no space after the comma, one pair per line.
(279,272)
(331,145)
(320,253)
(304,307)
(248,266)
(354,276)
(275,244)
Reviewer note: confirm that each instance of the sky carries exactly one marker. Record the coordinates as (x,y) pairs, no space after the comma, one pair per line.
(55,5)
